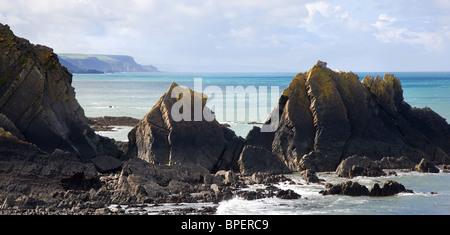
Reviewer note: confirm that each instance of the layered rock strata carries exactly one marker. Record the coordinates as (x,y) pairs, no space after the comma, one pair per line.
(327,116)
(37,97)
(159,139)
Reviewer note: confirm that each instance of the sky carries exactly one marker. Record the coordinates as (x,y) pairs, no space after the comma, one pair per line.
(244,35)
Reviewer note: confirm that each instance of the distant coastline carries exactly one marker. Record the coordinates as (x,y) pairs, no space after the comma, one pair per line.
(99,64)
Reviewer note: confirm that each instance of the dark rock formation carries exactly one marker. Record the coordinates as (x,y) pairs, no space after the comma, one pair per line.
(105,164)
(395,163)
(346,165)
(159,139)
(390,188)
(359,166)
(288,195)
(326,117)
(26,170)
(257,159)
(426,166)
(37,97)
(310,176)
(46,144)
(147,180)
(350,188)
(267,178)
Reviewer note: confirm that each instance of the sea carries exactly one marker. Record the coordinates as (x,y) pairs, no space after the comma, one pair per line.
(244,100)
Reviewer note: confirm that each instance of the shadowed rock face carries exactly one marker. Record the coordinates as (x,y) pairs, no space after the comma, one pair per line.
(328,116)
(159,139)
(37,97)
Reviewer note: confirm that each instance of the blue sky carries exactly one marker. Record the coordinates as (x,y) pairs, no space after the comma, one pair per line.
(250,35)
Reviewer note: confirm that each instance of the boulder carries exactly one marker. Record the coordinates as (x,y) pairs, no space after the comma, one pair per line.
(327,117)
(288,195)
(257,159)
(350,188)
(391,188)
(267,178)
(36,96)
(161,138)
(309,176)
(426,166)
(347,164)
(359,166)
(369,172)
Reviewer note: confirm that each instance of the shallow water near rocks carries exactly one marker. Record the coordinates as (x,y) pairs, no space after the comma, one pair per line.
(133,95)
(431,197)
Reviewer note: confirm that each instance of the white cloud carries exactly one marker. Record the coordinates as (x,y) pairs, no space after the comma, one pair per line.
(387,32)
(282,33)
(325,19)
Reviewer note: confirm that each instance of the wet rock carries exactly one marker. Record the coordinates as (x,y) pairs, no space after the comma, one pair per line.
(288,195)
(376,191)
(252,195)
(310,176)
(265,178)
(345,168)
(426,167)
(391,188)
(350,188)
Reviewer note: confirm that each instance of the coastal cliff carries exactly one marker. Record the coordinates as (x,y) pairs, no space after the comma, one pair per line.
(327,116)
(86,63)
(37,97)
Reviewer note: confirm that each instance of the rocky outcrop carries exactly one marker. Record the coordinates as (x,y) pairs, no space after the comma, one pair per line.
(159,139)
(363,166)
(141,179)
(310,177)
(349,188)
(256,159)
(327,116)
(426,166)
(26,170)
(47,149)
(37,97)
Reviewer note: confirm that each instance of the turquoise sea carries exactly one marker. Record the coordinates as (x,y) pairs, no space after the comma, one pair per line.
(134,94)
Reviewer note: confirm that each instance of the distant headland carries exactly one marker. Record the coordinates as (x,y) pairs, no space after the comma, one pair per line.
(99,63)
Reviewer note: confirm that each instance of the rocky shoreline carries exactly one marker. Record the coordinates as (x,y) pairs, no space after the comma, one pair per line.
(108,123)
(53,162)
